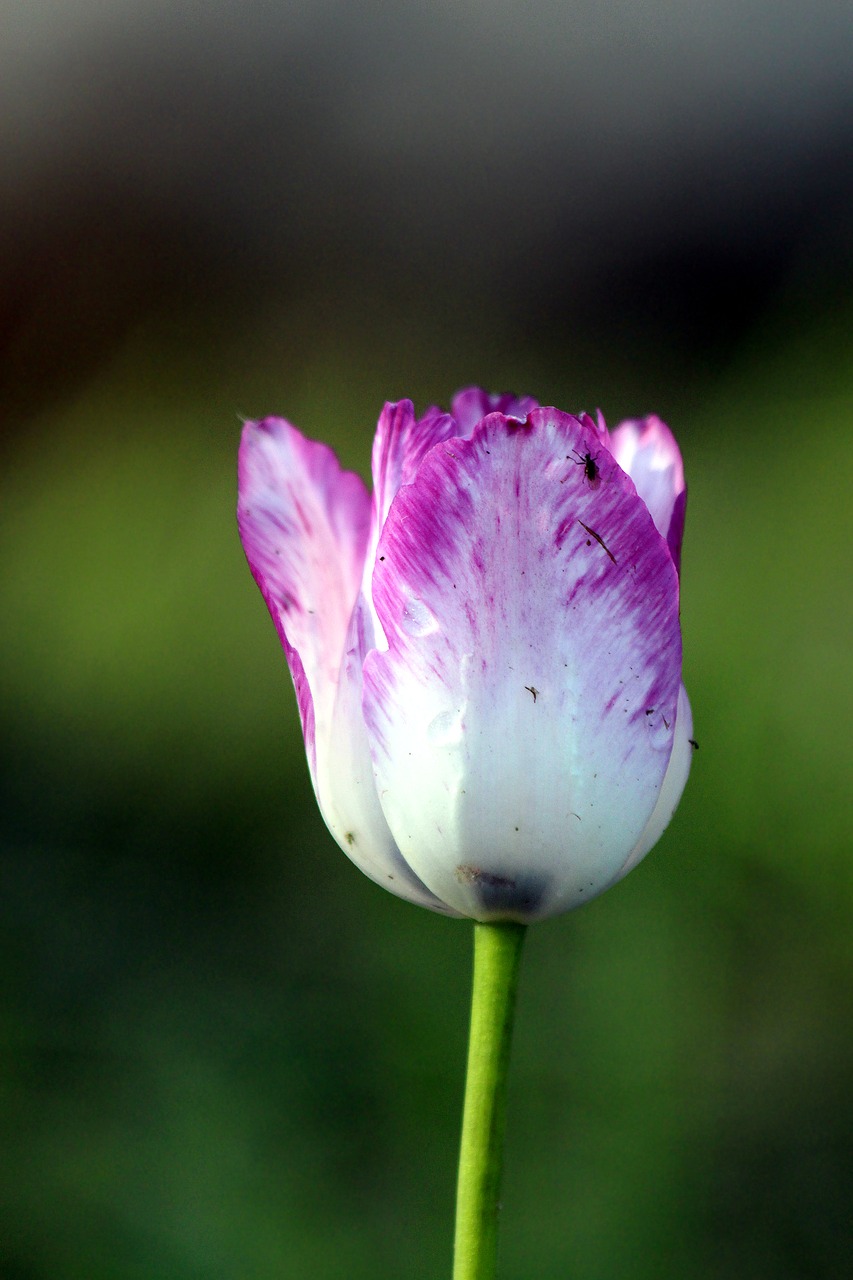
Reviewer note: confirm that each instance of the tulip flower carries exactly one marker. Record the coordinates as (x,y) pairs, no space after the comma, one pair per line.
(487,654)
(487,661)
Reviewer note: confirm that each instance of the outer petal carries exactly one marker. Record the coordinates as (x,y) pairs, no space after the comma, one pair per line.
(304,524)
(346,789)
(673,785)
(645,448)
(522,720)
(400,442)
(399,445)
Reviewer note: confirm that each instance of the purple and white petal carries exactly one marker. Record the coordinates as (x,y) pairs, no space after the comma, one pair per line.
(401,441)
(645,449)
(345,786)
(393,436)
(473,404)
(304,523)
(673,785)
(522,719)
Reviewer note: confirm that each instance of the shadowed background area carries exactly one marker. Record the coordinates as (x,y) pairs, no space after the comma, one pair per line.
(226,1053)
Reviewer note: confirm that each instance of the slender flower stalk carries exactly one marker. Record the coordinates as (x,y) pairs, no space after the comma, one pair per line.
(497,952)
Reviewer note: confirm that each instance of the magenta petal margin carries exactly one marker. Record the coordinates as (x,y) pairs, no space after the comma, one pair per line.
(487,653)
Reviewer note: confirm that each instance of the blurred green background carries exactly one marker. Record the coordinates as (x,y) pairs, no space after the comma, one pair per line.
(225,1052)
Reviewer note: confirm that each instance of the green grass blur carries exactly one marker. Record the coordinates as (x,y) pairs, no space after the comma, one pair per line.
(226,1053)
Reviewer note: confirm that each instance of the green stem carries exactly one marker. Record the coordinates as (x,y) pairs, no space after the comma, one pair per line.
(497,951)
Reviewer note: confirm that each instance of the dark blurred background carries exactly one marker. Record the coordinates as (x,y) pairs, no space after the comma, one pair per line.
(225,1052)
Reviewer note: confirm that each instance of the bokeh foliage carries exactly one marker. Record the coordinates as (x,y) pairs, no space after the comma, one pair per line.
(226,1053)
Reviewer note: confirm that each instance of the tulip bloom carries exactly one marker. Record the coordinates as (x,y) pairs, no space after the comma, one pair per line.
(487,651)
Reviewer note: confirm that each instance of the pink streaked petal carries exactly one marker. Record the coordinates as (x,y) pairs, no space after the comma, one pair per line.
(473,404)
(345,786)
(673,785)
(645,448)
(522,719)
(401,441)
(393,434)
(303,522)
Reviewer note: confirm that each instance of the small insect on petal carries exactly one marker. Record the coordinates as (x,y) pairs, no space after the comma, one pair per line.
(590,467)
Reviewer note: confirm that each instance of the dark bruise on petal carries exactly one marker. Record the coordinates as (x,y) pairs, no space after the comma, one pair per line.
(519,894)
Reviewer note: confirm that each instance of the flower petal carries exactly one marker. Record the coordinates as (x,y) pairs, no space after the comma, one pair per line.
(673,785)
(472,405)
(645,448)
(402,441)
(522,719)
(345,786)
(398,446)
(303,522)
